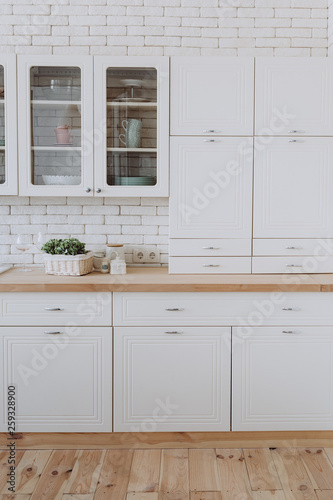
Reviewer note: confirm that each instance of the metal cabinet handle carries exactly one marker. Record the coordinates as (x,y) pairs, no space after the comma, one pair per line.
(210,140)
(175,309)
(291,309)
(53,309)
(295,131)
(210,248)
(174,332)
(291,332)
(293,265)
(210,265)
(292,140)
(98,190)
(53,333)
(294,248)
(210,131)
(88,190)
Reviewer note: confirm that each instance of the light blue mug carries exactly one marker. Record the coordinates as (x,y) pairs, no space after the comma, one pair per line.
(132,135)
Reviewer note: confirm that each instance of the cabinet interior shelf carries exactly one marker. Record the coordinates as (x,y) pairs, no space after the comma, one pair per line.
(132,104)
(134,150)
(55,148)
(55,103)
(2,148)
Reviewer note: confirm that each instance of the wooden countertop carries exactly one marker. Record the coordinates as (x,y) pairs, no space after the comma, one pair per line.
(158,280)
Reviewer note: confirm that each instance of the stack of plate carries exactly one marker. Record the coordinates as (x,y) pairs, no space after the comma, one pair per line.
(135,181)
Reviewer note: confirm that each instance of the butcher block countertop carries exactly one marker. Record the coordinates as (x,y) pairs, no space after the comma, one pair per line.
(158,280)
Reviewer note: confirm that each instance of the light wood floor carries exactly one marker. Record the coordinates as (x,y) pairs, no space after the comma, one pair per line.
(171,474)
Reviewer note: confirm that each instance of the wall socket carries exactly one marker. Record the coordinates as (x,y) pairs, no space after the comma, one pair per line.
(146,255)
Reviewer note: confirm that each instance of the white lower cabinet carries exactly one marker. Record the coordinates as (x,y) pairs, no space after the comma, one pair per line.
(62,378)
(172,379)
(282,378)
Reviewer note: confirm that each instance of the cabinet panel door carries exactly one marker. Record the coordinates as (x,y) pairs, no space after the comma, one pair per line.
(8,125)
(212,95)
(55,96)
(293,182)
(211,187)
(294,96)
(282,378)
(63,381)
(131,113)
(171,379)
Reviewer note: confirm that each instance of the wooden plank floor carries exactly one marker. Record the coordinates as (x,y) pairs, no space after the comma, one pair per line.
(171,474)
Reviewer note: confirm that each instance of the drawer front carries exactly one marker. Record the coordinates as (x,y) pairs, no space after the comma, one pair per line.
(300,264)
(34,309)
(222,308)
(210,247)
(292,247)
(210,265)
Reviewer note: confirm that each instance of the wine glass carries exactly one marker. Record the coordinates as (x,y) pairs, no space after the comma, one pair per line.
(41,240)
(23,244)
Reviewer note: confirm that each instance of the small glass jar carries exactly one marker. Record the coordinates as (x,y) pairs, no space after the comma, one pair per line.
(105,266)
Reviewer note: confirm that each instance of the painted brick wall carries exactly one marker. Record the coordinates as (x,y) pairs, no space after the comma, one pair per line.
(142,27)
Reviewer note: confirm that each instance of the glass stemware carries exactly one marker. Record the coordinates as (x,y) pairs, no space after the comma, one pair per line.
(23,244)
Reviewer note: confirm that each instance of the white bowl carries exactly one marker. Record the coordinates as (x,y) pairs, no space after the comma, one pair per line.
(61,180)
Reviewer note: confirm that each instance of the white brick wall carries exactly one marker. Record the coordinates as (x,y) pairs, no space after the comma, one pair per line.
(143,27)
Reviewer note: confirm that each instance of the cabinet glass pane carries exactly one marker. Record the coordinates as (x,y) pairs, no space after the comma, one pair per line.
(56,125)
(2,127)
(131,126)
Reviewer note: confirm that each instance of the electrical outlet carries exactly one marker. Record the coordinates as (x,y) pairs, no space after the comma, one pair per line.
(153,255)
(139,255)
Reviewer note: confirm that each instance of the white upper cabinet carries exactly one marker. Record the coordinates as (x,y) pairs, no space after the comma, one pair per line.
(211,187)
(8,125)
(55,129)
(212,95)
(131,126)
(294,96)
(293,185)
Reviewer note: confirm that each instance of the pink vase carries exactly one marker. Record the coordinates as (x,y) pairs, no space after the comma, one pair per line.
(63,134)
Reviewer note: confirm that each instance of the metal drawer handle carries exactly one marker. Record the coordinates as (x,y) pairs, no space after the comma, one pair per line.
(210,131)
(53,309)
(291,309)
(53,333)
(210,265)
(291,332)
(175,309)
(295,131)
(292,140)
(210,248)
(210,140)
(293,265)
(294,248)
(174,332)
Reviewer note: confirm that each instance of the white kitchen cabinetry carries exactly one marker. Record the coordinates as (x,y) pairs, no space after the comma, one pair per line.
(293,182)
(62,368)
(63,378)
(212,95)
(172,379)
(8,125)
(294,96)
(131,126)
(55,92)
(282,378)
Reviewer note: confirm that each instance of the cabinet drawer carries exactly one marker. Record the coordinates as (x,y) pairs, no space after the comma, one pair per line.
(292,247)
(222,308)
(210,265)
(301,264)
(83,309)
(209,247)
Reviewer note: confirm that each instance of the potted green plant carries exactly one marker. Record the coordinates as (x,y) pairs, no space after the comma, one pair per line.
(67,256)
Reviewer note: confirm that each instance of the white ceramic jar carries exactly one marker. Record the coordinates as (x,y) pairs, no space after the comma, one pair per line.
(115,250)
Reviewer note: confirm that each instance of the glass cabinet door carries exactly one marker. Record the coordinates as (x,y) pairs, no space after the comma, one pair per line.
(131,112)
(8,125)
(59,127)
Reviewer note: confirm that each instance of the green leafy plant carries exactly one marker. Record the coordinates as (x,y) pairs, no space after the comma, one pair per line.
(71,246)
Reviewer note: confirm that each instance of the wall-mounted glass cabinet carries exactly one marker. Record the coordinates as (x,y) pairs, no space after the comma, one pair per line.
(131,126)
(55,125)
(8,125)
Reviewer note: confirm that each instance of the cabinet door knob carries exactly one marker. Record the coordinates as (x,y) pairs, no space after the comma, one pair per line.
(52,333)
(53,309)
(210,265)
(88,190)
(98,190)
(210,248)
(174,332)
(174,309)
(291,332)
